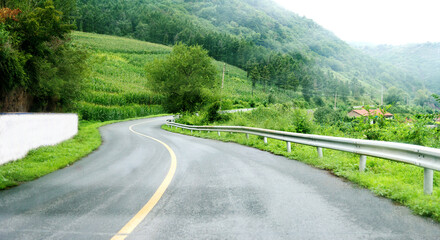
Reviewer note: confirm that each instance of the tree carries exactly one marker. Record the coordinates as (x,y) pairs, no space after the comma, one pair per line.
(422,97)
(437,97)
(255,77)
(394,95)
(326,115)
(186,78)
(40,70)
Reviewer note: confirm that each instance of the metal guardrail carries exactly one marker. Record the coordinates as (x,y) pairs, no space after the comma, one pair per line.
(428,158)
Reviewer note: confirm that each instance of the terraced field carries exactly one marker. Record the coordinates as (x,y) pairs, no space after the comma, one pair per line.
(117,86)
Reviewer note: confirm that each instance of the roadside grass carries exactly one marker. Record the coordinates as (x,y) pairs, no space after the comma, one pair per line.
(399,182)
(47,159)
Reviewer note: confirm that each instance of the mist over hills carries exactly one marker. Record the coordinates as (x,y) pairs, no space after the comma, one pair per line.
(237,31)
(421,60)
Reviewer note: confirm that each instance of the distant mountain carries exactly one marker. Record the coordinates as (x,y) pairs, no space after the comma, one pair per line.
(238,31)
(420,60)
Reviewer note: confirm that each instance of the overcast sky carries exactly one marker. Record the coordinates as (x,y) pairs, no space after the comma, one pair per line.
(374,21)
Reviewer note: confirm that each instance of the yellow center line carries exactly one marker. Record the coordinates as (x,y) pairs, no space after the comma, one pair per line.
(137,219)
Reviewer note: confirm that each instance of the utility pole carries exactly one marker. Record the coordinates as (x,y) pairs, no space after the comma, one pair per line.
(223,82)
(223,75)
(381,98)
(336,95)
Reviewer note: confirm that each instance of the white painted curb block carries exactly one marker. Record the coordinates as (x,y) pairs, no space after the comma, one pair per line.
(20,133)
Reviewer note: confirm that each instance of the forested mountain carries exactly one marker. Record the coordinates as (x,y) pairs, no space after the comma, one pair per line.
(275,46)
(421,60)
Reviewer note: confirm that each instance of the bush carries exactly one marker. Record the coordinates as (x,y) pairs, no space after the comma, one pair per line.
(326,115)
(212,113)
(227,104)
(318,101)
(302,121)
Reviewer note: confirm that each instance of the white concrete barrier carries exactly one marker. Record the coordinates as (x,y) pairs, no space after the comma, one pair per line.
(21,132)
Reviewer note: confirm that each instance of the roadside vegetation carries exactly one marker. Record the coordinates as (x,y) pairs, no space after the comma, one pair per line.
(400,182)
(185,78)
(40,68)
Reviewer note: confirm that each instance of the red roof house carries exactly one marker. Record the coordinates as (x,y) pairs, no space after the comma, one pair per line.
(371,112)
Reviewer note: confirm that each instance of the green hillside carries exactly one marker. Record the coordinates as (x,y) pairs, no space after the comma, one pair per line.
(117,86)
(247,31)
(420,60)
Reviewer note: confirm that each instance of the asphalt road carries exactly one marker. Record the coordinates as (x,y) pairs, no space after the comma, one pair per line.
(219,191)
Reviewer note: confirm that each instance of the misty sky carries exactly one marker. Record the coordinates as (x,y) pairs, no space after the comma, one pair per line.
(374,21)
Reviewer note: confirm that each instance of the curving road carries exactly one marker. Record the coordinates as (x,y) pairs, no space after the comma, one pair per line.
(218,191)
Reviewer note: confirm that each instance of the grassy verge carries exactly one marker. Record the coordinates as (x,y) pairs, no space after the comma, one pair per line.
(400,182)
(45,160)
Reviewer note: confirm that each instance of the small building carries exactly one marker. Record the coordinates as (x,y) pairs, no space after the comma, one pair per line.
(371,112)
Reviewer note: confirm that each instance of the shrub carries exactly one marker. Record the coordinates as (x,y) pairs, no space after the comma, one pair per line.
(326,115)
(212,113)
(302,121)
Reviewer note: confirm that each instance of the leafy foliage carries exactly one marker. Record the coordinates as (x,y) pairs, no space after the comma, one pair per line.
(212,113)
(326,115)
(38,61)
(437,97)
(186,78)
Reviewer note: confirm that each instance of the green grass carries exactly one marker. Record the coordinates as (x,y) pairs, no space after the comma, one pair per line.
(400,182)
(45,160)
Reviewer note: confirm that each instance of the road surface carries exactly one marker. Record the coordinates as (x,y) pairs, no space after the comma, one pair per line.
(217,191)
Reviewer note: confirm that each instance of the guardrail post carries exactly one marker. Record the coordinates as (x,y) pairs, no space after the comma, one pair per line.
(320,155)
(191,131)
(265,140)
(247,135)
(218,134)
(289,149)
(362,163)
(428,180)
